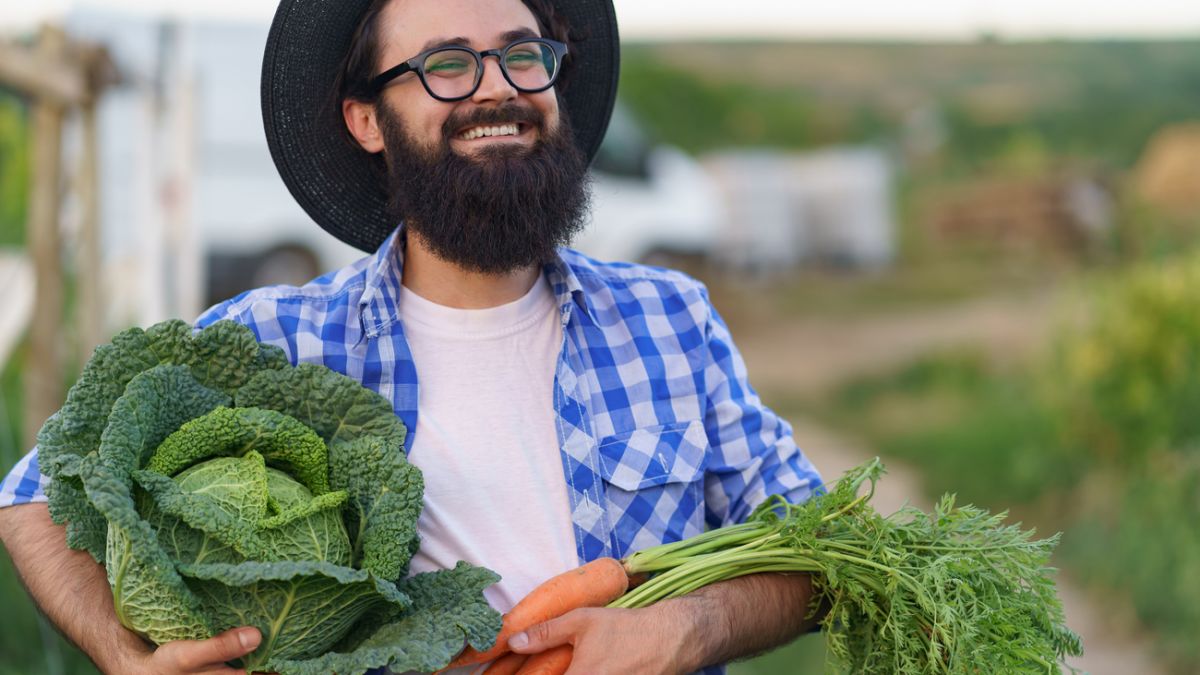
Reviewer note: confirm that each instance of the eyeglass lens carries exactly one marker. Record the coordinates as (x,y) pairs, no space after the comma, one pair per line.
(451,73)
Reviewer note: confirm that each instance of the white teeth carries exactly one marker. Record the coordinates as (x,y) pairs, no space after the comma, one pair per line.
(476,132)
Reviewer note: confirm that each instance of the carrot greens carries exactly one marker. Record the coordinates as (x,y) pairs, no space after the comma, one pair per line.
(955,591)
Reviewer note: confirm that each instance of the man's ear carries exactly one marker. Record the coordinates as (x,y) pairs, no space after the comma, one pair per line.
(360,120)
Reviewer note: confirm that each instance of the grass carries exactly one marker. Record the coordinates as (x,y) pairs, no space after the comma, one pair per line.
(1145,544)
(969,428)
(804,655)
(29,645)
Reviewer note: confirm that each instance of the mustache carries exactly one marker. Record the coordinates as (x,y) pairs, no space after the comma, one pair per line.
(511,113)
(495,213)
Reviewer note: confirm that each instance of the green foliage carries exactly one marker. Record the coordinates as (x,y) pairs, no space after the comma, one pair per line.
(1128,391)
(29,645)
(1129,382)
(804,655)
(1001,105)
(985,435)
(14,170)
(1143,542)
(222,487)
(955,591)
(730,113)
(1139,86)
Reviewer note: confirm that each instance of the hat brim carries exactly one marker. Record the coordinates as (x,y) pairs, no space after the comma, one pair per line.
(332,180)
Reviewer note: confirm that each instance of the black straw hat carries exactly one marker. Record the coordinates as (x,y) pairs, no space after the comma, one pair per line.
(334,181)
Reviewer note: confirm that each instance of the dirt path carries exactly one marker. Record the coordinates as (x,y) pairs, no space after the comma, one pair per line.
(810,355)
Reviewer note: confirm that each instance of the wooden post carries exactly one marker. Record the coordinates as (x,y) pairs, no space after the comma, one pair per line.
(43,376)
(91,297)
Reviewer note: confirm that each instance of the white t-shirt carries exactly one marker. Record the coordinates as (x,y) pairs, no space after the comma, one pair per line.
(485,441)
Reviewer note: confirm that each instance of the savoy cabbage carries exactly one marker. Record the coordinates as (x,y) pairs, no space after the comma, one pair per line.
(221,487)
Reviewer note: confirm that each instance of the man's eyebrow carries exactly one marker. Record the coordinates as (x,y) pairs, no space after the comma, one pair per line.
(506,37)
(517,34)
(445,42)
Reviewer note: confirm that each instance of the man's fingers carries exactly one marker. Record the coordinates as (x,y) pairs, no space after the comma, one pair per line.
(548,634)
(195,655)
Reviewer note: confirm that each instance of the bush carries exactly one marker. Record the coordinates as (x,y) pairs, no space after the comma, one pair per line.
(1127,395)
(1128,384)
(14,170)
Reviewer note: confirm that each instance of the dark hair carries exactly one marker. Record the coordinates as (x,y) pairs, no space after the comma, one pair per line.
(362,59)
(361,64)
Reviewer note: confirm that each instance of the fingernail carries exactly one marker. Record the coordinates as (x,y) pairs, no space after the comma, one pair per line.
(247,639)
(518,641)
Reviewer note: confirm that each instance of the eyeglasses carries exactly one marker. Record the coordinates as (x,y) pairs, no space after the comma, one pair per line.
(453,73)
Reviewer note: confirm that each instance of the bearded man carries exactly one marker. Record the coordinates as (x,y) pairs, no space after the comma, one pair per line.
(560,409)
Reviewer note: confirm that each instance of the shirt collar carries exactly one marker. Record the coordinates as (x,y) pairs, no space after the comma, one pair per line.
(381,291)
(378,307)
(567,288)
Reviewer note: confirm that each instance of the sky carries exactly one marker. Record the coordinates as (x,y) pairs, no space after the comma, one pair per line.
(885,19)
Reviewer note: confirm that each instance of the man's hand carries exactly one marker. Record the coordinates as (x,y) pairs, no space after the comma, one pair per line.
(202,657)
(718,623)
(613,641)
(72,591)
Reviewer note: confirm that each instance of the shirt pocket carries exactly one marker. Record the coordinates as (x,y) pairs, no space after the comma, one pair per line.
(654,482)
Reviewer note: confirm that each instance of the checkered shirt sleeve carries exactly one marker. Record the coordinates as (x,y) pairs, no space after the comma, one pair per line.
(753,451)
(25,483)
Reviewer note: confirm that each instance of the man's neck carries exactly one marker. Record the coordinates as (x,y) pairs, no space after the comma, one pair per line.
(449,285)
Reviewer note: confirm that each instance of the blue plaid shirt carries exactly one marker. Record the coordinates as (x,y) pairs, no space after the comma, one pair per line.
(661,434)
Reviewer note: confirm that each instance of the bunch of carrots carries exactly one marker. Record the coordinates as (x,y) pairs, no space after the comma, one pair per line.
(956,591)
(595,584)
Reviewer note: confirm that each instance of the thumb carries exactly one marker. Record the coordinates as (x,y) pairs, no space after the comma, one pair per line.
(543,636)
(215,651)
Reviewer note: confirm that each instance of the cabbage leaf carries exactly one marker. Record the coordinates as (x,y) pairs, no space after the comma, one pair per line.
(221,486)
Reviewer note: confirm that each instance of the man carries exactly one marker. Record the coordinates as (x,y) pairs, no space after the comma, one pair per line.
(566,409)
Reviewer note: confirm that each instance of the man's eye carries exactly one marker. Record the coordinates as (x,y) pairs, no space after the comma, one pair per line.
(447,67)
(522,59)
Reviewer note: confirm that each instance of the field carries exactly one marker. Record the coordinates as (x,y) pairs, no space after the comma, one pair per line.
(1087,426)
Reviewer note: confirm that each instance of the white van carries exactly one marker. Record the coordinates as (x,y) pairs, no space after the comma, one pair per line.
(651,203)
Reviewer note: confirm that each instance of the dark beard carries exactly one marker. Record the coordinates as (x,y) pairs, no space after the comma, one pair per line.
(505,209)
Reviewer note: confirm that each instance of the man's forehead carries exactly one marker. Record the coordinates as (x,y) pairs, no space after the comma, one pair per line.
(412,26)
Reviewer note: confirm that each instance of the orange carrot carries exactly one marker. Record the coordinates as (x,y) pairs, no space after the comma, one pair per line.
(592,585)
(553,661)
(507,664)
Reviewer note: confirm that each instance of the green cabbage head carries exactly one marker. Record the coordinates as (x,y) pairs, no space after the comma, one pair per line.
(222,487)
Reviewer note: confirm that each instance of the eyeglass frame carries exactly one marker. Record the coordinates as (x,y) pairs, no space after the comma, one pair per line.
(417,65)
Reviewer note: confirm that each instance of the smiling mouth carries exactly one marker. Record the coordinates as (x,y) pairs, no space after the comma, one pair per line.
(491,131)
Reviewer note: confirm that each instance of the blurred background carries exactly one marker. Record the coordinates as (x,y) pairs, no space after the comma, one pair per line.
(962,236)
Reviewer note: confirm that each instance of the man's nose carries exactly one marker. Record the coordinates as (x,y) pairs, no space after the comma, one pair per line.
(493,86)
